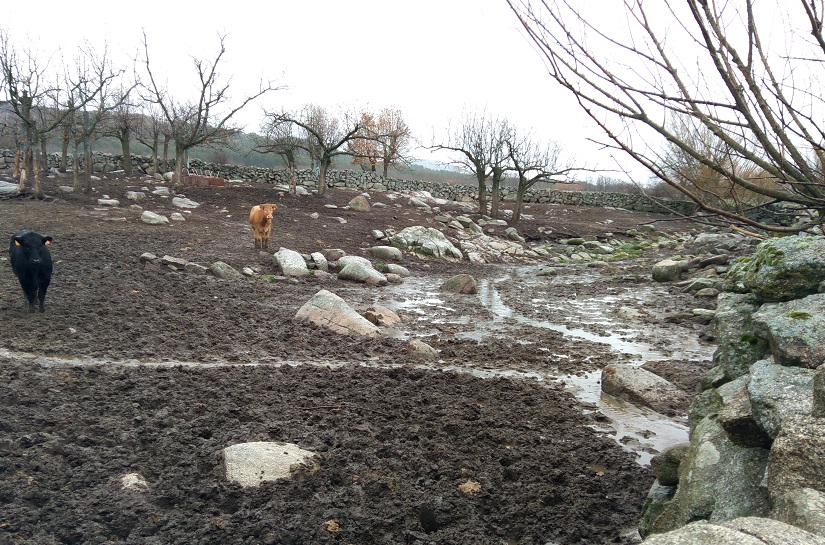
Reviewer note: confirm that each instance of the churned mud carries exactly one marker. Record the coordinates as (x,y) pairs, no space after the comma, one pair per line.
(147,370)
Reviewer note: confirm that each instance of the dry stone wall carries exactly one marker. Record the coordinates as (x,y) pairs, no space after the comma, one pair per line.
(374,181)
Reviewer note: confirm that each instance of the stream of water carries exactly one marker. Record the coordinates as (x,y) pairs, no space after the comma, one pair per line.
(637,429)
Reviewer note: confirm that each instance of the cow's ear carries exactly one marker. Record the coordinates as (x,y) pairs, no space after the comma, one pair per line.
(47,240)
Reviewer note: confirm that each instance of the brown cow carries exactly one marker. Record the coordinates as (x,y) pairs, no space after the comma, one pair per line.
(260,219)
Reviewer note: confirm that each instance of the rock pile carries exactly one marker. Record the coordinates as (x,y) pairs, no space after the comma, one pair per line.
(757,442)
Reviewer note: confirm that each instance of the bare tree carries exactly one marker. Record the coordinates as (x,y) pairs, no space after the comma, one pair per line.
(205,119)
(122,122)
(709,62)
(534,162)
(325,135)
(394,138)
(94,95)
(149,131)
(280,137)
(383,137)
(478,141)
(364,149)
(35,101)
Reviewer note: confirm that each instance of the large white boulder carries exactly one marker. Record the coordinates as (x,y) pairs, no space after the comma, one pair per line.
(331,312)
(250,464)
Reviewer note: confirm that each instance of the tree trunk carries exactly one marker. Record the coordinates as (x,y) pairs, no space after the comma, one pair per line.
(292,182)
(165,154)
(482,193)
(125,148)
(386,169)
(495,198)
(36,185)
(28,143)
(522,188)
(44,156)
(64,152)
(87,164)
(28,167)
(155,154)
(76,170)
(179,158)
(322,177)
(16,170)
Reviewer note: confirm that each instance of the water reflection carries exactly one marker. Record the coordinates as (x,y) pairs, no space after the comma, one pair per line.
(639,430)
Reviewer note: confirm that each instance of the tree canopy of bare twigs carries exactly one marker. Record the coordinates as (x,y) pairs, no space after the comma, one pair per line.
(205,119)
(395,139)
(364,149)
(150,130)
(123,121)
(477,141)
(94,96)
(38,102)
(742,78)
(533,162)
(282,138)
(324,135)
(386,138)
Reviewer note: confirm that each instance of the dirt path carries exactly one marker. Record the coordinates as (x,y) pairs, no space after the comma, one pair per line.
(394,444)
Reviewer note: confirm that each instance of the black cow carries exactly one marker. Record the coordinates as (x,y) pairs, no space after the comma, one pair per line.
(32,263)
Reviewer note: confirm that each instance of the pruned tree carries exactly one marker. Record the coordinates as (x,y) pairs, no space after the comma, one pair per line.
(759,105)
(280,137)
(34,99)
(365,148)
(123,120)
(93,96)
(394,139)
(67,132)
(150,131)
(205,119)
(533,162)
(384,137)
(324,135)
(478,144)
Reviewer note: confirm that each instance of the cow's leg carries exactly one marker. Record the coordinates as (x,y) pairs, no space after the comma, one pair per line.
(30,289)
(41,296)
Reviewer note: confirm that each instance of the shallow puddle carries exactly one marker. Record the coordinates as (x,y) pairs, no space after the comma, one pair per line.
(636,429)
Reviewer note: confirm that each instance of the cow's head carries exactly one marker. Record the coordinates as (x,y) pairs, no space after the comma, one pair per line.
(269,209)
(31,244)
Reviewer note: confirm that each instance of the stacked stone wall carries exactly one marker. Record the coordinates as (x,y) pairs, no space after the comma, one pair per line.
(374,181)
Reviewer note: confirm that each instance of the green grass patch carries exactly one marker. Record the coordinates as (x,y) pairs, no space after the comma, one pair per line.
(629,250)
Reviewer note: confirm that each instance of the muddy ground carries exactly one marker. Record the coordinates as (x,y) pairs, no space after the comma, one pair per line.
(155,393)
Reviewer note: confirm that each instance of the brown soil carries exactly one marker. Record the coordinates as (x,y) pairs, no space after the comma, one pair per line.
(395,440)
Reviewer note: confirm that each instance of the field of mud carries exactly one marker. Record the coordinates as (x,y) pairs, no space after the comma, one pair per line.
(154,371)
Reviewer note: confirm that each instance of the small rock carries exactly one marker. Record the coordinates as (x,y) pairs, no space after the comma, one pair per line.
(153,219)
(460,283)
(182,202)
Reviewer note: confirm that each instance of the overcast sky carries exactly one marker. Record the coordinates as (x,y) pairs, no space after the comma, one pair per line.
(428,58)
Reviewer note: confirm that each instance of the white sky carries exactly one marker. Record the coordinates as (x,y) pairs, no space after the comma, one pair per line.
(428,58)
